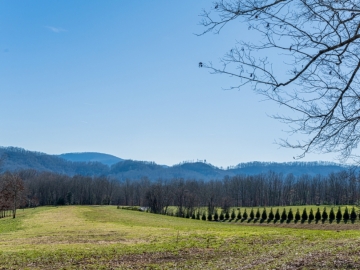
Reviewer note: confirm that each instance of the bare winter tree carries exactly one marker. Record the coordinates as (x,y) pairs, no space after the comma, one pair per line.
(319,41)
(12,187)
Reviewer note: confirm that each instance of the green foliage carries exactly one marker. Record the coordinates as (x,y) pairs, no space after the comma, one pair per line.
(318,215)
(346,215)
(339,214)
(193,216)
(203,216)
(283,215)
(245,215)
(209,217)
(227,215)
(297,215)
(257,215)
(271,214)
(264,214)
(198,217)
(221,217)
(304,215)
(332,214)
(290,216)
(324,214)
(311,215)
(353,214)
(277,214)
(233,216)
(252,215)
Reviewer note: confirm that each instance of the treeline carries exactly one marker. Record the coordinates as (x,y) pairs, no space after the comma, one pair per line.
(271,189)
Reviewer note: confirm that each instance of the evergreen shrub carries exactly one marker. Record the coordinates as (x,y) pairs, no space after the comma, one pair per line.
(216,216)
(252,214)
(304,215)
(290,216)
(271,214)
(264,214)
(346,215)
(233,214)
(277,214)
(324,214)
(311,215)
(331,215)
(239,215)
(257,215)
(245,215)
(339,214)
(353,214)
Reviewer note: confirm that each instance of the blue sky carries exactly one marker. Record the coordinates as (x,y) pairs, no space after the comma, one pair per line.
(122,77)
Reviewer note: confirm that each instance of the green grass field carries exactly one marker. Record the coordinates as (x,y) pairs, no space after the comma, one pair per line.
(95,237)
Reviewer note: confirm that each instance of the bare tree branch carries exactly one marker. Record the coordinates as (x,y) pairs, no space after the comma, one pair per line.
(319,41)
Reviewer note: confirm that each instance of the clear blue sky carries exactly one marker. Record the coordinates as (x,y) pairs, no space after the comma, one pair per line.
(122,77)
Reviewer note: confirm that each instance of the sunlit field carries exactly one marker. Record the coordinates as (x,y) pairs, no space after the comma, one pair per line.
(97,237)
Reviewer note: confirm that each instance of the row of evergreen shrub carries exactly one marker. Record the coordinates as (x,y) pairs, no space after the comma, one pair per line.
(284,216)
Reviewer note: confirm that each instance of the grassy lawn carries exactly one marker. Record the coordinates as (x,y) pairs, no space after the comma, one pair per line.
(91,237)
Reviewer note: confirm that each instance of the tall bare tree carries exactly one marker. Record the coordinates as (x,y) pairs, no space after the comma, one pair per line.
(12,191)
(319,41)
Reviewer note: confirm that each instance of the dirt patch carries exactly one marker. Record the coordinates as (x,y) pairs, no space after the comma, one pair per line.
(140,261)
(324,260)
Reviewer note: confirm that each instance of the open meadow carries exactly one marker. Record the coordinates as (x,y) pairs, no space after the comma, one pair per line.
(104,237)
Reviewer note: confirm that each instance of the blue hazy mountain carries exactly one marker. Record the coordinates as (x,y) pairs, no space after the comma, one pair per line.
(91,157)
(96,164)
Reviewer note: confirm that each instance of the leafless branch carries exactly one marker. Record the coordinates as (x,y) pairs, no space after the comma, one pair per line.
(319,40)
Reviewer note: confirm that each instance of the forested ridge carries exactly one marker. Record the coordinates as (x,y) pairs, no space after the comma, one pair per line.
(14,159)
(271,189)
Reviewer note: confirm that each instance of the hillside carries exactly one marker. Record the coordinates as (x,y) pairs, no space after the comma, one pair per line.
(95,164)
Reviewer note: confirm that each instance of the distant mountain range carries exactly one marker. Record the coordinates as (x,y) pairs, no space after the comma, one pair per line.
(96,164)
